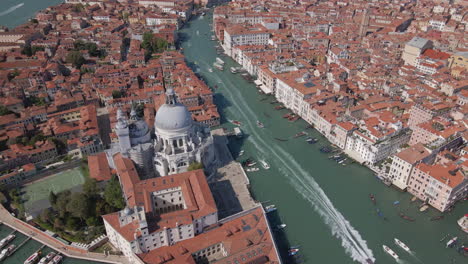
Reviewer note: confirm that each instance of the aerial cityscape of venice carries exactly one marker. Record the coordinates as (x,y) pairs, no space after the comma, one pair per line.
(233,131)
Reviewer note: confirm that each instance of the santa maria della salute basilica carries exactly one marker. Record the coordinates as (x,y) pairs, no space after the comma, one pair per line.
(177,141)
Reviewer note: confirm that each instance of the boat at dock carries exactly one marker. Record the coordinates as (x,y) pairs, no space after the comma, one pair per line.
(293,118)
(423,208)
(452,242)
(241,153)
(390,252)
(265,165)
(32,259)
(260,124)
(56,260)
(6,240)
(279,107)
(402,245)
(219,60)
(233,70)
(286,115)
(252,169)
(369,261)
(293,252)
(270,208)
(47,258)
(210,70)
(463,223)
(325,149)
(218,66)
(300,134)
(6,252)
(274,102)
(311,140)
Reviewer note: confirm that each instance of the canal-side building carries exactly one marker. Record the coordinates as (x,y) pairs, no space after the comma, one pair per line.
(404,162)
(440,185)
(238,35)
(174,219)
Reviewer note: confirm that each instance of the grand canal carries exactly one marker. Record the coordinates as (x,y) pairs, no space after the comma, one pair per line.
(325,205)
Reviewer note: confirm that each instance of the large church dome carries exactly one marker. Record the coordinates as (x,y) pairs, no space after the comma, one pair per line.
(172,115)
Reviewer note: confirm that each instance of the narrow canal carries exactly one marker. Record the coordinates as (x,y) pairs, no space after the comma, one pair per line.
(325,205)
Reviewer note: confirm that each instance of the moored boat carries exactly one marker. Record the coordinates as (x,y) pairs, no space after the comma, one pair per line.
(210,70)
(32,259)
(452,242)
(406,217)
(463,223)
(7,240)
(390,252)
(252,169)
(57,259)
(402,245)
(47,258)
(233,70)
(293,252)
(279,107)
(235,122)
(270,208)
(241,153)
(311,140)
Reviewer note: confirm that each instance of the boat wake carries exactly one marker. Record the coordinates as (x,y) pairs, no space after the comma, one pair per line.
(354,245)
(11,9)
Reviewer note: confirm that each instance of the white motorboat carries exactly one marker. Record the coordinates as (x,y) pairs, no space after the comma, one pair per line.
(252,169)
(241,153)
(47,258)
(260,124)
(463,223)
(210,70)
(265,165)
(390,252)
(6,240)
(251,164)
(452,242)
(270,208)
(281,226)
(233,70)
(402,245)
(57,259)
(220,61)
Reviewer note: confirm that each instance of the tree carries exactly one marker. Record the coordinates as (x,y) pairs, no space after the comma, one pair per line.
(195,166)
(62,201)
(116,94)
(75,58)
(58,223)
(113,193)
(46,215)
(153,44)
(4,110)
(90,187)
(78,205)
(52,198)
(61,145)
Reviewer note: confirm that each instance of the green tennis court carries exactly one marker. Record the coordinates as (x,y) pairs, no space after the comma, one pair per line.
(36,194)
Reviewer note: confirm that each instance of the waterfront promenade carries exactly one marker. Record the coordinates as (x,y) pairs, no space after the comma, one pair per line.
(69,251)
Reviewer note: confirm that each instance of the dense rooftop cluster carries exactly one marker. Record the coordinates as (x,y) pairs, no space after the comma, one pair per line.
(81,59)
(373,77)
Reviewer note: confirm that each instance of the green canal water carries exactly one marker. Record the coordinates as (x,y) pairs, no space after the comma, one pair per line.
(16,12)
(326,206)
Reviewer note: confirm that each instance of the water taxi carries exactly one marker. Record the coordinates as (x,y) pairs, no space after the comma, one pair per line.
(293,252)
(452,242)
(32,259)
(390,252)
(402,245)
(6,240)
(265,165)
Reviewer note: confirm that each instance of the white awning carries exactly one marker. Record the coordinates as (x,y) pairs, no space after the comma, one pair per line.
(265,89)
(258,83)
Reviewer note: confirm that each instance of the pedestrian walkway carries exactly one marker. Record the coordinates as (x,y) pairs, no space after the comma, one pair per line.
(69,251)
